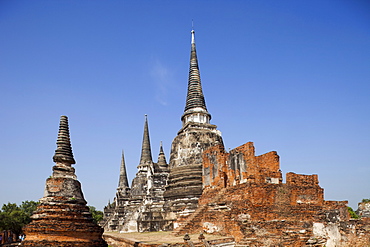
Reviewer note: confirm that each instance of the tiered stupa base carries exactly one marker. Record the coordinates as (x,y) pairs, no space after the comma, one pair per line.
(63,224)
(62,219)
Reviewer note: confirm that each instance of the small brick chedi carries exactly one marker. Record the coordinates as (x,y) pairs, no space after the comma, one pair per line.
(203,188)
(62,217)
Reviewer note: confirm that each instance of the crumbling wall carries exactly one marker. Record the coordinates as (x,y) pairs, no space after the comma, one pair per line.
(304,189)
(244,197)
(240,165)
(364,209)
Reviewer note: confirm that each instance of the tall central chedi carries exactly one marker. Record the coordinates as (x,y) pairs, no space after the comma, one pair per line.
(161,193)
(184,185)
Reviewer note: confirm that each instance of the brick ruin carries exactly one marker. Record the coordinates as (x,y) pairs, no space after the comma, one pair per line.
(62,217)
(235,193)
(244,197)
(364,209)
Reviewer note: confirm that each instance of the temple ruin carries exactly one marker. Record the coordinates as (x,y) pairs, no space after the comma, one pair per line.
(62,217)
(204,188)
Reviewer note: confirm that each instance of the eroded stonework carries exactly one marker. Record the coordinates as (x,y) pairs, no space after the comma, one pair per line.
(244,197)
(139,208)
(184,185)
(235,193)
(364,209)
(160,194)
(62,217)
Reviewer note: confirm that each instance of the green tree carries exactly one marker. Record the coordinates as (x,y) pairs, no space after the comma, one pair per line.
(10,207)
(13,217)
(96,214)
(29,207)
(352,213)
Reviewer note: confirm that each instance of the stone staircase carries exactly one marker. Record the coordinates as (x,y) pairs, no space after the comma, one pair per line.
(183,226)
(289,233)
(104,223)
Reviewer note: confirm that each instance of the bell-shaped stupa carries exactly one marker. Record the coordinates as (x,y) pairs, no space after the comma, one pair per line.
(62,217)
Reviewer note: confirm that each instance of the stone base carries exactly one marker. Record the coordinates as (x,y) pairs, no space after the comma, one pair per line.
(63,224)
(44,243)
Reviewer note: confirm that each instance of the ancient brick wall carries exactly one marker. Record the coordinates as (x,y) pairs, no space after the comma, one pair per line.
(266,215)
(240,165)
(244,197)
(364,209)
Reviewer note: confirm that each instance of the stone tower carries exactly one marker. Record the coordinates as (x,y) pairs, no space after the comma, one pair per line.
(184,185)
(140,208)
(140,184)
(162,193)
(123,188)
(115,213)
(62,217)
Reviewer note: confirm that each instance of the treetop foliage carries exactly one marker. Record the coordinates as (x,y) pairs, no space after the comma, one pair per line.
(14,217)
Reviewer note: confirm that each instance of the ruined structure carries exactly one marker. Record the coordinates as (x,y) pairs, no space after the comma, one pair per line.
(235,193)
(62,217)
(184,185)
(140,208)
(160,193)
(364,208)
(244,196)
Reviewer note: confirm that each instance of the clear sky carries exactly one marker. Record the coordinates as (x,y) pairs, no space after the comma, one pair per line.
(291,76)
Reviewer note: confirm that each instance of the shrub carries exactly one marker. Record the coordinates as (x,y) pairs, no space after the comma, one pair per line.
(352,213)
(96,214)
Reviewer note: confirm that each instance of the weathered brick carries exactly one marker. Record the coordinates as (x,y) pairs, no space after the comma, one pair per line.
(244,197)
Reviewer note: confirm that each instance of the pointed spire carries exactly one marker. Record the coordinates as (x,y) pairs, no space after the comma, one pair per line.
(161,148)
(161,157)
(123,181)
(146,153)
(63,153)
(195,97)
(195,107)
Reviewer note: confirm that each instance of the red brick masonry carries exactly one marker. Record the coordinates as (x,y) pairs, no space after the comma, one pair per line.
(244,197)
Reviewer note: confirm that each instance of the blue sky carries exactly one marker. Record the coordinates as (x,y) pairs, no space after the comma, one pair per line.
(291,76)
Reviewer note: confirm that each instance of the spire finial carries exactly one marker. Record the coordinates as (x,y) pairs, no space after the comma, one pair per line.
(63,153)
(192,36)
(123,181)
(161,148)
(162,158)
(146,153)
